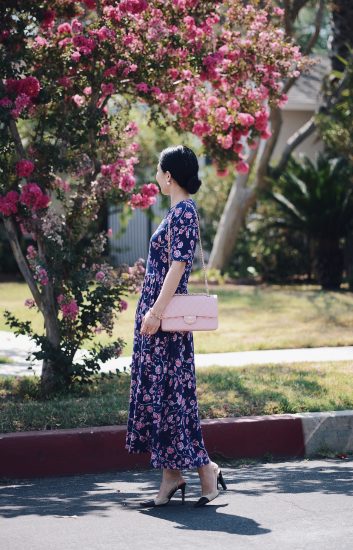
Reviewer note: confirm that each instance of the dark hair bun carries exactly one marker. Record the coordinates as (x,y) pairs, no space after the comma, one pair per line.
(193,184)
(183,166)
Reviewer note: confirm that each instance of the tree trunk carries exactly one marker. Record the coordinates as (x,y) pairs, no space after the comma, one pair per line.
(45,303)
(240,199)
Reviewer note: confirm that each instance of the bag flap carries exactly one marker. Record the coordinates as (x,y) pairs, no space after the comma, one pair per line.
(185,304)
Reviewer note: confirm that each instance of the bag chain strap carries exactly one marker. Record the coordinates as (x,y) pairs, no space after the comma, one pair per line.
(201,250)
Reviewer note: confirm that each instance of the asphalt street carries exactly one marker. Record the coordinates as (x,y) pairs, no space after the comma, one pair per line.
(289,505)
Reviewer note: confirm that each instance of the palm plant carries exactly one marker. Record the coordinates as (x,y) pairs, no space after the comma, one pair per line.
(316,200)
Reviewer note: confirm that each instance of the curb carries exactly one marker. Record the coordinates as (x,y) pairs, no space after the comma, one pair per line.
(101,449)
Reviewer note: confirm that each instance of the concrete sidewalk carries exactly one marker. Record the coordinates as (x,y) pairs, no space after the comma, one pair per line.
(287,505)
(18,347)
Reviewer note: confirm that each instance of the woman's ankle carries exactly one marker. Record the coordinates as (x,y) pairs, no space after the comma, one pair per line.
(170,475)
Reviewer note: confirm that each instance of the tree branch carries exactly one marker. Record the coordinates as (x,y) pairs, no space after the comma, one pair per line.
(297,6)
(292,143)
(17,139)
(21,262)
(316,33)
(308,128)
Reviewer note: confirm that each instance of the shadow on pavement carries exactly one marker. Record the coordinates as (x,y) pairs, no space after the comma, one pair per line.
(102,494)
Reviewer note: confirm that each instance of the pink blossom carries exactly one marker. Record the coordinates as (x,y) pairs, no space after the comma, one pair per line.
(212,101)
(5,102)
(100,276)
(8,203)
(225,141)
(133,6)
(48,19)
(131,129)
(140,200)
(4,35)
(237,147)
(24,168)
(104,130)
(253,144)
(201,128)
(242,167)
(123,305)
(105,34)
(29,302)
(60,298)
(283,100)
(261,118)
(75,56)
(266,134)
(64,28)
(65,82)
(62,184)
(108,89)
(278,11)
(76,26)
(220,114)
(173,73)
(127,183)
(70,309)
(142,87)
(155,90)
(87,90)
(31,252)
(245,119)
(222,173)
(29,86)
(91,4)
(33,197)
(64,42)
(107,169)
(79,100)
(149,189)
(110,232)
(21,102)
(174,107)
(233,104)
(41,275)
(40,41)
(83,44)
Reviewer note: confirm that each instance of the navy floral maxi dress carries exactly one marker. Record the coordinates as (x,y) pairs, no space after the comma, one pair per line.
(163,411)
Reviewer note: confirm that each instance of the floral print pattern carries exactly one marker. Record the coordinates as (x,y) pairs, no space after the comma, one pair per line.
(163,411)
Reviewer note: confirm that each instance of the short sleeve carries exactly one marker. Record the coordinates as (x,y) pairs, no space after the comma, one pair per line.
(184,233)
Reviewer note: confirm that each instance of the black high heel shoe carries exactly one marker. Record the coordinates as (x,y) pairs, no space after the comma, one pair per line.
(210,496)
(162,502)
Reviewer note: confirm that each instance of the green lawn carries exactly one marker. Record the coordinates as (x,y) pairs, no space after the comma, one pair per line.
(222,392)
(250,317)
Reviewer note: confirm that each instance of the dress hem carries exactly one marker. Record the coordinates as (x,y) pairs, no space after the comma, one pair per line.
(160,465)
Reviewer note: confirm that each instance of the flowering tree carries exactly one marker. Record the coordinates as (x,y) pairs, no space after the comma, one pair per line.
(71,71)
(245,189)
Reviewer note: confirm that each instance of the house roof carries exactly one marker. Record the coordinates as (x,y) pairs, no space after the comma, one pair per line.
(303,96)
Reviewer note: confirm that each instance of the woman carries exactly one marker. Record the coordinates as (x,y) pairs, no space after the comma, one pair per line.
(163,413)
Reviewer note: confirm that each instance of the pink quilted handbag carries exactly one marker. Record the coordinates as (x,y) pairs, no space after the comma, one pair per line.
(189,312)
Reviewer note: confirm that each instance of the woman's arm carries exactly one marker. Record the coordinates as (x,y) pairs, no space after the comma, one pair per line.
(150,323)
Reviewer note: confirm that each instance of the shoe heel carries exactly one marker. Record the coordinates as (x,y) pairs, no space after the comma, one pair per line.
(183,487)
(220,479)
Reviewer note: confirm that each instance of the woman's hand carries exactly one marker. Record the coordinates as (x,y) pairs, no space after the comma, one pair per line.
(150,324)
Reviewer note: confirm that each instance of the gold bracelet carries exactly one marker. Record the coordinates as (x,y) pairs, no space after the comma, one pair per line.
(155,314)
